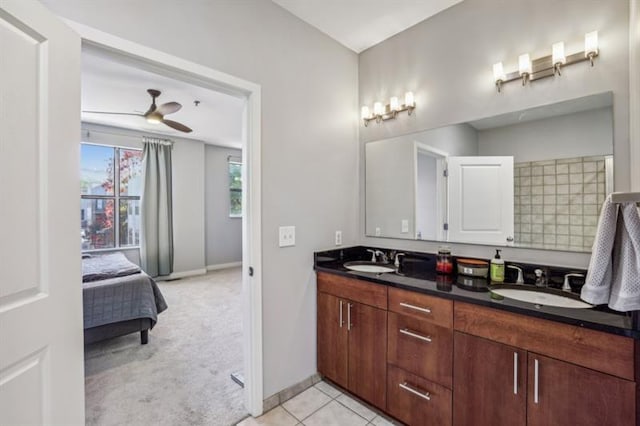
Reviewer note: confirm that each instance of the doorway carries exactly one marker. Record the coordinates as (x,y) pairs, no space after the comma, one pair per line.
(179,69)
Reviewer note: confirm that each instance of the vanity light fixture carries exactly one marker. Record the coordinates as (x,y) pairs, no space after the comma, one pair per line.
(383,112)
(547,66)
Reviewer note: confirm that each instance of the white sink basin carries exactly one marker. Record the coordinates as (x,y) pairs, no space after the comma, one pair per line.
(540,298)
(363,266)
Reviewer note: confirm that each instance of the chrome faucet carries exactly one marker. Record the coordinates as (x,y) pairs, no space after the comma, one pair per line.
(382,256)
(520,279)
(566,286)
(373,255)
(541,279)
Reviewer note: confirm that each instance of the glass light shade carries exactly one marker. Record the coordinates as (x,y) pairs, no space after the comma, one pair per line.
(378,109)
(557,54)
(498,72)
(153,119)
(591,43)
(364,112)
(394,105)
(408,99)
(524,64)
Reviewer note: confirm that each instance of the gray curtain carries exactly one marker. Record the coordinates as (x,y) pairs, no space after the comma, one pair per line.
(156,240)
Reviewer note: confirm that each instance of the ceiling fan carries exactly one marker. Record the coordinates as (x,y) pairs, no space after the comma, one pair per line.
(155,114)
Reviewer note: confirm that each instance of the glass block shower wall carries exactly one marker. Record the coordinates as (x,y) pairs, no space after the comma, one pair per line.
(557,202)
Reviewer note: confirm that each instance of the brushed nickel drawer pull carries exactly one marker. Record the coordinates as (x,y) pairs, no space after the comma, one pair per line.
(341,320)
(349,325)
(417,336)
(536,384)
(417,308)
(406,387)
(515,373)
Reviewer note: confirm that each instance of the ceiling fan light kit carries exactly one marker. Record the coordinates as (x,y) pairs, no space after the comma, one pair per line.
(155,114)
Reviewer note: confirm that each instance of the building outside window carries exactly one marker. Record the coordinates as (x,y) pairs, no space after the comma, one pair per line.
(235,187)
(111,186)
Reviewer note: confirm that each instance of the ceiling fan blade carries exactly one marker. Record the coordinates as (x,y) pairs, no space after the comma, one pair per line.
(176,125)
(115,113)
(169,108)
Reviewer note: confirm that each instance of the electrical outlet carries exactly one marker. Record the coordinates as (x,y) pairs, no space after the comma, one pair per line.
(405,226)
(378,232)
(287,236)
(338,238)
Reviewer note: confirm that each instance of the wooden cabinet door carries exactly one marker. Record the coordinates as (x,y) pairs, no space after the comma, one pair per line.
(489,383)
(367,352)
(332,338)
(560,393)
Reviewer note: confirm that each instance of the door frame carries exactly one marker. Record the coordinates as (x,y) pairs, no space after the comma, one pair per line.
(191,72)
(442,207)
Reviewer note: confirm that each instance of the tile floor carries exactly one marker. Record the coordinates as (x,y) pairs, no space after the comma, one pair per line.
(320,405)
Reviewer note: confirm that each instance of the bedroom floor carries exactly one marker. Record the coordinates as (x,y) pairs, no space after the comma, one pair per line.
(182,376)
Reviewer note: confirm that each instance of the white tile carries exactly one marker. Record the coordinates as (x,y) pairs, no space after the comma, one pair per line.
(356,406)
(334,414)
(328,389)
(276,417)
(306,403)
(381,421)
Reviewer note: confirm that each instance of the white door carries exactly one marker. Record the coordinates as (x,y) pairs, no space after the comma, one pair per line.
(41,340)
(481,200)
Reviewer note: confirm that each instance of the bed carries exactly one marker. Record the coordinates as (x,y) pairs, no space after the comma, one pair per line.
(118,298)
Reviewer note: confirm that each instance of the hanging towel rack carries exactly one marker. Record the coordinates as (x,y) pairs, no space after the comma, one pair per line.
(625,197)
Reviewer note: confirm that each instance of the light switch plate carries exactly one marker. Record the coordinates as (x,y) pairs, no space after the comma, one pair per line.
(405,226)
(338,238)
(378,232)
(287,236)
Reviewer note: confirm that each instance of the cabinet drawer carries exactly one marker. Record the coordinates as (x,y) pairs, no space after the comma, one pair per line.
(421,348)
(353,289)
(433,309)
(416,401)
(597,350)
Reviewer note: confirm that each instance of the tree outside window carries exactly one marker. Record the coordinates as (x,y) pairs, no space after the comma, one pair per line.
(235,189)
(111,185)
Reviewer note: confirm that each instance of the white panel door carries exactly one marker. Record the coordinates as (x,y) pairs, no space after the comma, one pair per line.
(481,200)
(41,340)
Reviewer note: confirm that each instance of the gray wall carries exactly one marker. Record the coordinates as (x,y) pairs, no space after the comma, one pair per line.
(309,140)
(223,241)
(188,191)
(581,134)
(447,62)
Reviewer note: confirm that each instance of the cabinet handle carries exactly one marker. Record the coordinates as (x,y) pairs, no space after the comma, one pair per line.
(417,308)
(425,395)
(341,321)
(515,373)
(417,336)
(349,325)
(536,397)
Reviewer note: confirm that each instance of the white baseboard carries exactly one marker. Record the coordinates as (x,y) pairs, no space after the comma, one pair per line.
(223,266)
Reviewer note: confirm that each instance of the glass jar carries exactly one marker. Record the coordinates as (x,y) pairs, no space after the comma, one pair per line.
(444,262)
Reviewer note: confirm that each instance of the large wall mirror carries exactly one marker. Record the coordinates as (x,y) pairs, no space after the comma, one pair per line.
(534,178)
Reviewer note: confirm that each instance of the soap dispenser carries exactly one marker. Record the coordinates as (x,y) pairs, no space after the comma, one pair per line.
(497,268)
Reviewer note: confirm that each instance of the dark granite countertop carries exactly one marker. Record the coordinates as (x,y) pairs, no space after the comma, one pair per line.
(471,290)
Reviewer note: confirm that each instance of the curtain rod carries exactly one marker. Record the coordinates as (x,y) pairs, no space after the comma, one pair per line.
(88,132)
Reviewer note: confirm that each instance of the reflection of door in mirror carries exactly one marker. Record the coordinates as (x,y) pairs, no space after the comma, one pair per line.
(481,200)
(431,193)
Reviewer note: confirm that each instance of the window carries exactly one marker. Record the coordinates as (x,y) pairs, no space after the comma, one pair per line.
(235,188)
(111,185)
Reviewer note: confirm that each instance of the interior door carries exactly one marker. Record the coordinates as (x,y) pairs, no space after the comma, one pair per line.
(41,340)
(481,200)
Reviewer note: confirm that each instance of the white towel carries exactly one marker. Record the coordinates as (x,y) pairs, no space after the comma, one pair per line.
(614,270)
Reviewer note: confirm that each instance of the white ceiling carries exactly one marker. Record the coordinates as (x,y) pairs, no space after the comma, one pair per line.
(111,86)
(360,24)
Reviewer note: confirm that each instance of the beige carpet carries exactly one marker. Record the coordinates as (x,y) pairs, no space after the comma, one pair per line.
(182,377)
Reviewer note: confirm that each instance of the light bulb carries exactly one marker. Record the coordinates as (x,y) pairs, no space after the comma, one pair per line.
(408,99)
(591,44)
(498,72)
(557,55)
(378,109)
(524,64)
(394,104)
(365,113)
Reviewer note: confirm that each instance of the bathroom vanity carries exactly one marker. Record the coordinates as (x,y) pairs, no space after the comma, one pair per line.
(429,349)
